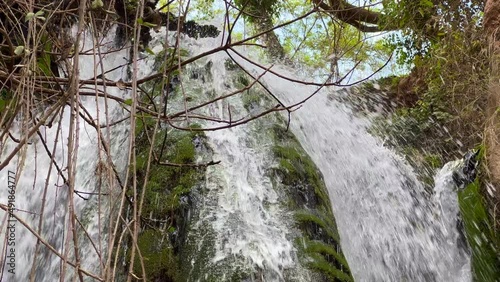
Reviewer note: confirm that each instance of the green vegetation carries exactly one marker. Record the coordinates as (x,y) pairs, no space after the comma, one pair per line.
(166,187)
(298,170)
(158,255)
(7,103)
(308,197)
(319,220)
(166,202)
(440,105)
(483,240)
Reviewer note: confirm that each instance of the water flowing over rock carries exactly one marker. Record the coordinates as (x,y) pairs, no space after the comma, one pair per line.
(42,193)
(389,229)
(266,211)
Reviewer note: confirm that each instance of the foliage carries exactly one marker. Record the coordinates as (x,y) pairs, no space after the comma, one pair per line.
(156,252)
(440,37)
(441,102)
(166,183)
(482,238)
(255,9)
(425,23)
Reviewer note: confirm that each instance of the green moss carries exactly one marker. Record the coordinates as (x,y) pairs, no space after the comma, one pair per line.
(230,65)
(296,168)
(184,150)
(319,247)
(282,135)
(322,221)
(309,198)
(433,161)
(157,255)
(250,100)
(480,235)
(165,190)
(320,264)
(241,81)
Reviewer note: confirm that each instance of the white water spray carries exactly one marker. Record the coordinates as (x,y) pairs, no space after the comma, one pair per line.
(36,170)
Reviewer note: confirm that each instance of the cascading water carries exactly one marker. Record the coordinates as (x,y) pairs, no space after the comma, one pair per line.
(252,232)
(390,229)
(35,172)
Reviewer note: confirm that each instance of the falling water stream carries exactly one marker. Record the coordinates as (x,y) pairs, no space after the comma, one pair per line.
(390,228)
(36,172)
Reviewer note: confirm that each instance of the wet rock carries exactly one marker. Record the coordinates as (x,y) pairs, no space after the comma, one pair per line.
(467,172)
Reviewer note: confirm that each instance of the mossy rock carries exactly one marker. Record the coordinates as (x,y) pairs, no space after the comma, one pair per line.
(480,234)
(160,263)
(318,226)
(230,65)
(251,100)
(308,197)
(168,184)
(167,202)
(297,170)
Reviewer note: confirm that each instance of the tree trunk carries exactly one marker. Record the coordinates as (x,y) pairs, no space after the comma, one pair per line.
(492,133)
(274,48)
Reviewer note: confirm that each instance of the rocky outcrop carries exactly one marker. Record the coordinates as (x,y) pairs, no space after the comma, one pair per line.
(319,246)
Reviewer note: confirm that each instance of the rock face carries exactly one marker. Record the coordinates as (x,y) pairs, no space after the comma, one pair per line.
(492,133)
(319,246)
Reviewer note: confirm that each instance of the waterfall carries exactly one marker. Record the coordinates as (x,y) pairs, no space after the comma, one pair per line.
(35,172)
(390,228)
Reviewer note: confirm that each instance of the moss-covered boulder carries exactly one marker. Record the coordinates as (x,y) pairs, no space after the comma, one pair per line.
(319,246)
(167,207)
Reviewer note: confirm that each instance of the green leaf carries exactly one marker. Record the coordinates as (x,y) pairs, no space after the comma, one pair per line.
(128,102)
(29,16)
(149,51)
(44,65)
(19,50)
(97,4)
(426,3)
(146,24)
